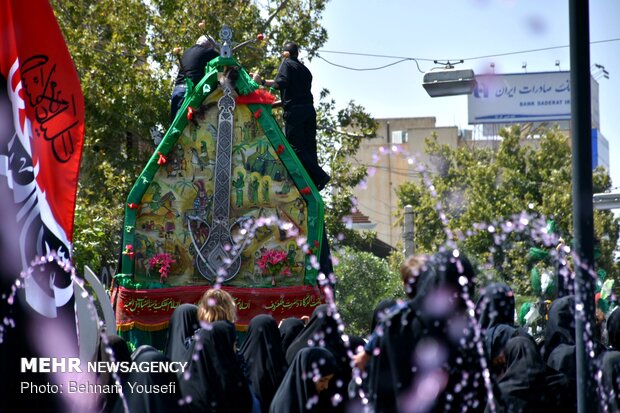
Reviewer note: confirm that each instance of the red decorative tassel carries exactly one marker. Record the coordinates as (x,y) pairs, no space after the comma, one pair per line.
(190,113)
(162,158)
(129,251)
(258,113)
(305,191)
(260,96)
(280,149)
(133,206)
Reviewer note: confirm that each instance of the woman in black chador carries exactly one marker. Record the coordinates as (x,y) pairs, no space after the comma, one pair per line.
(427,358)
(560,337)
(322,331)
(560,343)
(216,383)
(149,401)
(528,384)
(609,364)
(496,305)
(289,330)
(310,374)
(113,348)
(495,311)
(183,324)
(262,351)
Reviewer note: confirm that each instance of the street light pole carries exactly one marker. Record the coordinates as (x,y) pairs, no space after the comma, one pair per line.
(408,233)
(583,215)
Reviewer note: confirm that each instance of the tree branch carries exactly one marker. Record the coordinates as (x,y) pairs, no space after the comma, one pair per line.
(341,132)
(275,13)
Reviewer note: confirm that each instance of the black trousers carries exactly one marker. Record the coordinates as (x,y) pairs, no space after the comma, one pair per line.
(176,101)
(300,131)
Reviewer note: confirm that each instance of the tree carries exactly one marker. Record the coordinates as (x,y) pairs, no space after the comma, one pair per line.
(478,185)
(123,52)
(340,134)
(363,281)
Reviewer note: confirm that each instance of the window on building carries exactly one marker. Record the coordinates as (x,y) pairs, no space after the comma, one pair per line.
(400,136)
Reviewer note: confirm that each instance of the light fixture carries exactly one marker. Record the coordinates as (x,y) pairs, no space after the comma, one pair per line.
(599,71)
(448,81)
(557,63)
(606,200)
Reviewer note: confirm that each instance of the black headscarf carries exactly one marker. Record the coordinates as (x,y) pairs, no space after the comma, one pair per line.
(560,338)
(431,339)
(215,381)
(146,402)
(561,324)
(495,339)
(322,331)
(262,351)
(613,329)
(289,330)
(560,347)
(297,393)
(496,305)
(610,381)
(145,348)
(183,323)
(116,348)
(356,342)
(529,385)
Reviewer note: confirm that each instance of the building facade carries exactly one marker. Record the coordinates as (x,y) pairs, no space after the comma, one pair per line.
(386,158)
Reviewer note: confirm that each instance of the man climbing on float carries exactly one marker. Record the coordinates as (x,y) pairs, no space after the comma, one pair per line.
(294,81)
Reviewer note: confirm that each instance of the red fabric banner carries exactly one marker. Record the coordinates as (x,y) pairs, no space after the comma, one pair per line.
(33,44)
(151,309)
(41,137)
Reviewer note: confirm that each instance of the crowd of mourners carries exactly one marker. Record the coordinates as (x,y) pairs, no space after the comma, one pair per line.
(437,351)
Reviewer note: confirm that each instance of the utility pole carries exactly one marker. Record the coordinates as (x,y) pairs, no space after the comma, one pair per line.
(408,231)
(583,215)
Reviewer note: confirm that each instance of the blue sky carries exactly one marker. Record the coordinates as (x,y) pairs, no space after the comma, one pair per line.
(458,29)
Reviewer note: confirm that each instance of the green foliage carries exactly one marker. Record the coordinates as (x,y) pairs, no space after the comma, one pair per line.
(476,185)
(363,281)
(340,133)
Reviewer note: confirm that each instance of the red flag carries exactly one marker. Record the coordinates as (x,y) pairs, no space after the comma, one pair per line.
(41,137)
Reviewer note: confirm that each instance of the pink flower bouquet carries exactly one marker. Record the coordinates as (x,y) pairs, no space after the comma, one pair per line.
(273,262)
(161,262)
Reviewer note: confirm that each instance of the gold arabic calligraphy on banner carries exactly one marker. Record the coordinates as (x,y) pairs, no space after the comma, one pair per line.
(284,304)
(140,303)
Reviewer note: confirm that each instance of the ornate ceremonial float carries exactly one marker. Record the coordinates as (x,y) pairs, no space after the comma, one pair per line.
(222,200)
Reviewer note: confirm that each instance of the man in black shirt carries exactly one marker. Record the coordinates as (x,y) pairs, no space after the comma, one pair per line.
(193,64)
(294,81)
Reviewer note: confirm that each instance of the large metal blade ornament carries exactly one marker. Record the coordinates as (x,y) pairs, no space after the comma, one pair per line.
(219,255)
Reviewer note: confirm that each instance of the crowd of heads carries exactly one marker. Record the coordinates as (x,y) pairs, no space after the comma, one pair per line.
(448,347)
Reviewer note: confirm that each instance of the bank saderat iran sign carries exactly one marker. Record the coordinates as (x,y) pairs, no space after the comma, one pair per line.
(520,97)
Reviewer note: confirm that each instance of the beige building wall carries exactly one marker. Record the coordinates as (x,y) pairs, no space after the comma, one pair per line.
(386,156)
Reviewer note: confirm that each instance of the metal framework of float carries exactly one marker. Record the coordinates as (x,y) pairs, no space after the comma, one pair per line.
(221,190)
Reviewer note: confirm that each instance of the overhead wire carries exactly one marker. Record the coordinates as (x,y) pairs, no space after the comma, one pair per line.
(416,59)
(369,68)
